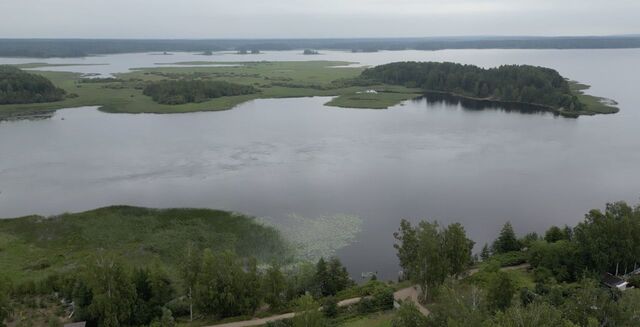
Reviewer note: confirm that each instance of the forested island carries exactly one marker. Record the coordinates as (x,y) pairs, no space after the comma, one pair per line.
(129,266)
(526,84)
(202,87)
(20,87)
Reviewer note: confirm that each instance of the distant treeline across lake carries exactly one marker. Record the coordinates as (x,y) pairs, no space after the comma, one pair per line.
(44,48)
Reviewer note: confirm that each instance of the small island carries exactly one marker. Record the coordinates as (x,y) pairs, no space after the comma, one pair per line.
(310,52)
(530,85)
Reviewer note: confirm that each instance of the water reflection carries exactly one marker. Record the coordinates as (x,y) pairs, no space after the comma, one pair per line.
(440,98)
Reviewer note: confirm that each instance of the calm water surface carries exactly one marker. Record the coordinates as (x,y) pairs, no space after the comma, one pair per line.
(424,159)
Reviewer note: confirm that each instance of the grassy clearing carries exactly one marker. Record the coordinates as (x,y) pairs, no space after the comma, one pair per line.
(33,247)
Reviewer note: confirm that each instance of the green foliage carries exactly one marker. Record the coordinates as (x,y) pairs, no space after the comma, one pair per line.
(610,241)
(19,87)
(139,236)
(560,258)
(485,253)
(189,272)
(5,302)
(500,291)
(330,307)
(308,314)
(509,259)
(429,254)
(224,288)
(555,234)
(530,238)
(457,248)
(378,298)
(274,286)
(112,294)
(408,315)
(331,277)
(514,83)
(458,305)
(534,315)
(634,281)
(186,91)
(507,241)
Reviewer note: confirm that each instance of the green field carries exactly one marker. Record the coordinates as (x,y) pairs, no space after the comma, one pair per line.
(273,79)
(33,247)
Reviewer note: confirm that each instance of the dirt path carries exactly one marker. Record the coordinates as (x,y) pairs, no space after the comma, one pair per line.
(409,293)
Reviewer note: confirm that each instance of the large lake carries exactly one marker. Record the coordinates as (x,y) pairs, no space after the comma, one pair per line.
(274,158)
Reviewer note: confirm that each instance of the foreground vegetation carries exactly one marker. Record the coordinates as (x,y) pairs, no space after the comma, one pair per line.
(558,285)
(509,83)
(34,247)
(532,280)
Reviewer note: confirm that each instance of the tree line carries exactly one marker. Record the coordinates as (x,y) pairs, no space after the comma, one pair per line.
(44,48)
(215,284)
(512,83)
(186,91)
(566,265)
(20,87)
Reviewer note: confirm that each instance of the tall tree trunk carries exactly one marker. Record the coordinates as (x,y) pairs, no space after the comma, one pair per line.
(190,305)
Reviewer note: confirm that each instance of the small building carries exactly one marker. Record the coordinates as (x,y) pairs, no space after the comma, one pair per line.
(612,281)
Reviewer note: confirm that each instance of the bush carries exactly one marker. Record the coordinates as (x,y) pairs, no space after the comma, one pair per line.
(508,259)
(635,281)
(330,307)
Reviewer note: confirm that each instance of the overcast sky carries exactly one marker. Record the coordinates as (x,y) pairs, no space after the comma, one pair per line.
(314,18)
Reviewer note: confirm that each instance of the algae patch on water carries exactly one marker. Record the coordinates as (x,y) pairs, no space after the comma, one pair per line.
(316,237)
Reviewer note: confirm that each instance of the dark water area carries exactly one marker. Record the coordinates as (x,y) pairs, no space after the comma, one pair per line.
(432,158)
(438,98)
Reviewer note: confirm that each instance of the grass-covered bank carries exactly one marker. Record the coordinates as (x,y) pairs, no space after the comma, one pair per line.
(34,247)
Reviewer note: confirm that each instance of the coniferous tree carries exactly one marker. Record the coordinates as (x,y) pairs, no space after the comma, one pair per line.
(507,241)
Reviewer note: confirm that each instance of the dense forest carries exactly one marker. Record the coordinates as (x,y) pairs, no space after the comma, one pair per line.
(512,83)
(188,91)
(18,87)
(44,48)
